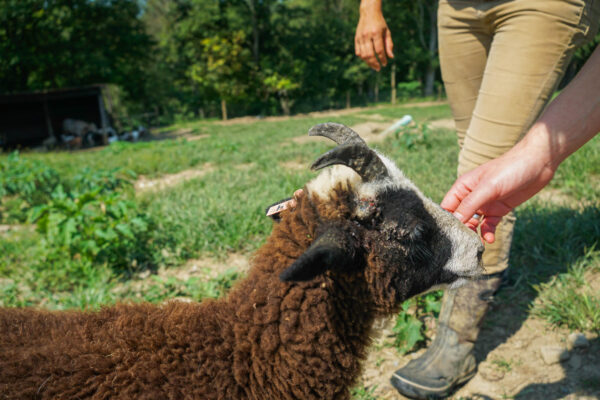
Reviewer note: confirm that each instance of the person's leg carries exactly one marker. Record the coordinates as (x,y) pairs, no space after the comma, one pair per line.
(464,43)
(532,44)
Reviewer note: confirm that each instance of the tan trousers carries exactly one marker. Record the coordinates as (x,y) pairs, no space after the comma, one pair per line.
(501,61)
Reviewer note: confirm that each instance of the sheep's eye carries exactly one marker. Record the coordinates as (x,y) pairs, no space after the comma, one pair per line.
(417,232)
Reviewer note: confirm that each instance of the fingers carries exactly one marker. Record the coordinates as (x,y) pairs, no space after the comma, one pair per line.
(488,228)
(455,196)
(380,50)
(374,46)
(389,44)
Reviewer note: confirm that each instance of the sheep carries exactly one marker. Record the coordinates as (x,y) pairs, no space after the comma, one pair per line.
(360,241)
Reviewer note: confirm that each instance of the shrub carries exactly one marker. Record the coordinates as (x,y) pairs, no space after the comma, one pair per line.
(24,183)
(94,224)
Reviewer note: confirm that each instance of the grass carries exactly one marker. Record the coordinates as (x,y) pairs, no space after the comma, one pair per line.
(222,211)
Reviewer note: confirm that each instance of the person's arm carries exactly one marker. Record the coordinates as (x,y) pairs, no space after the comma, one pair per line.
(498,186)
(373,38)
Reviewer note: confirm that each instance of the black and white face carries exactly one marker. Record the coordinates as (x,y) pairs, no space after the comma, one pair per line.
(407,234)
(404,243)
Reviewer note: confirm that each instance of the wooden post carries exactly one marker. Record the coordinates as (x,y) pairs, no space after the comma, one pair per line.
(376,88)
(103,118)
(224,109)
(48,120)
(393,83)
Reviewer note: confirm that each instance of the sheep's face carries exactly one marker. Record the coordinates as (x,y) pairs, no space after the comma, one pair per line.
(400,241)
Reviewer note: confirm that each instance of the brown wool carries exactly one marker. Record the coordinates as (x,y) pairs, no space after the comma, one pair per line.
(266,340)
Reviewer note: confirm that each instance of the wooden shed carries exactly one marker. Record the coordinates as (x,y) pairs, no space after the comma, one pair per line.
(27,119)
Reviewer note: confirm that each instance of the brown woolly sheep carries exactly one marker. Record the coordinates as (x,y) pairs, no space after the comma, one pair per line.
(359,242)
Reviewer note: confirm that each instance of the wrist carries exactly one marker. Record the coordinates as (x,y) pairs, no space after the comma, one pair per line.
(370,6)
(544,145)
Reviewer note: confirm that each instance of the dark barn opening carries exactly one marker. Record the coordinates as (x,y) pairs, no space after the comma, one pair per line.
(28,119)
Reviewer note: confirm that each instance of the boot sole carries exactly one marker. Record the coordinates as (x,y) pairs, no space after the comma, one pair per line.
(418,391)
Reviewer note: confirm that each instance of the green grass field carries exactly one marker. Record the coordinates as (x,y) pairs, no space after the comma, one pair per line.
(95,235)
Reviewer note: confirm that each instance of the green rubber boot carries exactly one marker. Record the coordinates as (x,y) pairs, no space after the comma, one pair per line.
(449,361)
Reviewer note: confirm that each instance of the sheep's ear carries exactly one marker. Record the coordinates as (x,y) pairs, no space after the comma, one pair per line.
(332,249)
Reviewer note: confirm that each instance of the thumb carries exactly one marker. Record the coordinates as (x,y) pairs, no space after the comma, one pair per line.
(471,203)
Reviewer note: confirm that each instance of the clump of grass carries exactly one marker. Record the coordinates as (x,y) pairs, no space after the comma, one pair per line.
(567,300)
(363,393)
(194,288)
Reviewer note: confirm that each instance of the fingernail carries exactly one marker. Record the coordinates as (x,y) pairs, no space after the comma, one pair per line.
(459,216)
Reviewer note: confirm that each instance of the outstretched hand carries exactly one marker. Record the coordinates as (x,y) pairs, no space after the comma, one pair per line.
(373,40)
(493,189)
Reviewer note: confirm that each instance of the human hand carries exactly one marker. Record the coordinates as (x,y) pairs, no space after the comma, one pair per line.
(373,39)
(493,189)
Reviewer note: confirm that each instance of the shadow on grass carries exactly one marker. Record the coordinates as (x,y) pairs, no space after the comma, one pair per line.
(548,240)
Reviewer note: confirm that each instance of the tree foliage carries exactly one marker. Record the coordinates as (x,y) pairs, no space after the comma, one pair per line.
(60,43)
(185,58)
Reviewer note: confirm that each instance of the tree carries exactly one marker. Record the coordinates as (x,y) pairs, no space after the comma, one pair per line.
(58,43)
(223,67)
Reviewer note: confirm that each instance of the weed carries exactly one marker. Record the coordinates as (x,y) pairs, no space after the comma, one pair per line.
(363,393)
(502,364)
(24,183)
(413,136)
(409,328)
(93,225)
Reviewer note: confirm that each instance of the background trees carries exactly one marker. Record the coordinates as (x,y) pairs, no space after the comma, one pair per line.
(190,58)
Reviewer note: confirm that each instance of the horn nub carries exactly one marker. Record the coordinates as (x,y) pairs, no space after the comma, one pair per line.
(339,133)
(357,156)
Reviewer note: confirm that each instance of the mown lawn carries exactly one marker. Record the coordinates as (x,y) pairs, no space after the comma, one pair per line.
(95,235)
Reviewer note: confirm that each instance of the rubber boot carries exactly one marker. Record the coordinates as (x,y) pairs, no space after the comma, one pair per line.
(449,361)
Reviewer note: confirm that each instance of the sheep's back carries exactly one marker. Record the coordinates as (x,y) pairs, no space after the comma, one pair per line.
(121,351)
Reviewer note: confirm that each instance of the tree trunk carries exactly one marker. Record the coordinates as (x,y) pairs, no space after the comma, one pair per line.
(348,98)
(224,109)
(432,50)
(286,105)
(376,88)
(255,34)
(393,84)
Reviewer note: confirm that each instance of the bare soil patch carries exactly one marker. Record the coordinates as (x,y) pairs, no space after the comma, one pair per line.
(294,165)
(329,113)
(520,356)
(144,184)
(371,132)
(446,123)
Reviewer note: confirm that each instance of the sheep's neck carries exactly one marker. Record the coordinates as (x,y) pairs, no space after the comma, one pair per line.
(310,335)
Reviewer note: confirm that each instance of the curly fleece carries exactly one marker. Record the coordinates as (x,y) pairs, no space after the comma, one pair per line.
(267,340)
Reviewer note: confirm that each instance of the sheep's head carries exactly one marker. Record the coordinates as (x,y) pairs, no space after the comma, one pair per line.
(393,237)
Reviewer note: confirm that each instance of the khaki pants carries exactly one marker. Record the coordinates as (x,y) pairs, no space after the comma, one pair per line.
(501,61)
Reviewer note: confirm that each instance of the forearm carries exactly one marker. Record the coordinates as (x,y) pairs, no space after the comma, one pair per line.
(572,119)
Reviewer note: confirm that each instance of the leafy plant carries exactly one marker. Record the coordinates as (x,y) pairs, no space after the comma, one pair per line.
(24,183)
(412,136)
(94,224)
(409,328)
